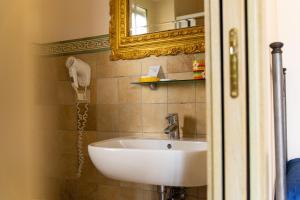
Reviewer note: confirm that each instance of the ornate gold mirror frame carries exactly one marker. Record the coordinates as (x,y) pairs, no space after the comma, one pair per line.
(172,42)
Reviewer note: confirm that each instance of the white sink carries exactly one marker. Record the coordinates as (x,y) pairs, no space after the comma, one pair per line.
(150,161)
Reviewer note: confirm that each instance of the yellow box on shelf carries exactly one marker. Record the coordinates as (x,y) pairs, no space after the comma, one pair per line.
(148,79)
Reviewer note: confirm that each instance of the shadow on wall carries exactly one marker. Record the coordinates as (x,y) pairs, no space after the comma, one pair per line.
(189,124)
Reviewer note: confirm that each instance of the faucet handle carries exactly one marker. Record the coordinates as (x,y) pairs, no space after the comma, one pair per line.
(171,115)
(172,118)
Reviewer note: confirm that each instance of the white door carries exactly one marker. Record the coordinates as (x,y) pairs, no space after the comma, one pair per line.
(227,99)
(240,124)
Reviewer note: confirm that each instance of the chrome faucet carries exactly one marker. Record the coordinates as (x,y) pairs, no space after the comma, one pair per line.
(173,126)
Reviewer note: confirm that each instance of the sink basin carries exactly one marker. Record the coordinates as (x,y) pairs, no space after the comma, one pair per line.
(152,161)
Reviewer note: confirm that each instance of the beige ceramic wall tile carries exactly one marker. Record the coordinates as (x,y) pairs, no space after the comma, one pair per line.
(44,69)
(92,60)
(130,194)
(147,187)
(201,56)
(91,174)
(198,193)
(103,57)
(200,91)
(87,190)
(68,164)
(127,92)
(48,121)
(154,117)
(159,95)
(93,91)
(192,192)
(150,195)
(49,141)
(69,189)
(130,118)
(47,148)
(105,69)
(67,117)
(154,61)
(128,68)
(107,117)
(45,93)
(202,193)
(106,135)
(88,138)
(129,134)
(180,63)
(131,185)
(180,75)
(67,141)
(201,118)
(65,92)
(156,135)
(181,93)
(53,189)
(59,63)
(139,186)
(107,91)
(187,117)
(91,124)
(67,96)
(119,112)
(201,137)
(53,170)
(108,193)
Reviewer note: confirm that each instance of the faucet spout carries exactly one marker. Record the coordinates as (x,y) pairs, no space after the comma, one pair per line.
(170,128)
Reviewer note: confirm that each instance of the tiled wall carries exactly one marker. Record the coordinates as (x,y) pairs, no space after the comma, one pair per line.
(127,109)
(117,108)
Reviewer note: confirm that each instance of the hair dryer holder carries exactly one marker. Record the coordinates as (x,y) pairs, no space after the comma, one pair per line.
(80,73)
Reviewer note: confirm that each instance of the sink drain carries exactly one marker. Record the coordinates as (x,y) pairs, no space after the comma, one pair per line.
(169,146)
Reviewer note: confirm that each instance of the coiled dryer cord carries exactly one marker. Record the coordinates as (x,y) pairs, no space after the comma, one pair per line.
(81,125)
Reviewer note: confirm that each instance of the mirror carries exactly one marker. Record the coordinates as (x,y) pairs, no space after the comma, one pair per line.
(149,16)
(142,28)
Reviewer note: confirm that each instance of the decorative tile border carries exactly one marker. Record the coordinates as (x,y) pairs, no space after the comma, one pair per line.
(77,46)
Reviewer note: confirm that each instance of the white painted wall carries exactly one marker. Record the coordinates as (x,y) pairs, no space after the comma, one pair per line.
(71,19)
(289,34)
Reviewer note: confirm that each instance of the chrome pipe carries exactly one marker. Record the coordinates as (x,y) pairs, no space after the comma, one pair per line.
(162,192)
(279,121)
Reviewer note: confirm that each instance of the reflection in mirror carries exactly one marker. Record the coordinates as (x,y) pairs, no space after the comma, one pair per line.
(148,16)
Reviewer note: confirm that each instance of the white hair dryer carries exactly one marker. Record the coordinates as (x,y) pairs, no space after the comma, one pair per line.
(80,72)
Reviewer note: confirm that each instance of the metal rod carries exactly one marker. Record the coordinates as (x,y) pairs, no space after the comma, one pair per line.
(285,113)
(279,121)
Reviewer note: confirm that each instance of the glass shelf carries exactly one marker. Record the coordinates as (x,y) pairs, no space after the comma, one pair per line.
(153,85)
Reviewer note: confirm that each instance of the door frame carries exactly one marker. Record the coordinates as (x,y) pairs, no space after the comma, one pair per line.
(233,148)
(262,30)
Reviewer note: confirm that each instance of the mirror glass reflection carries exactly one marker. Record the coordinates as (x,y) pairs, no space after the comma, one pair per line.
(149,16)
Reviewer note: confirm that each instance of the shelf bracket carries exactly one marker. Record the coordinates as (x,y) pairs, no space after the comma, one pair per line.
(153,86)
